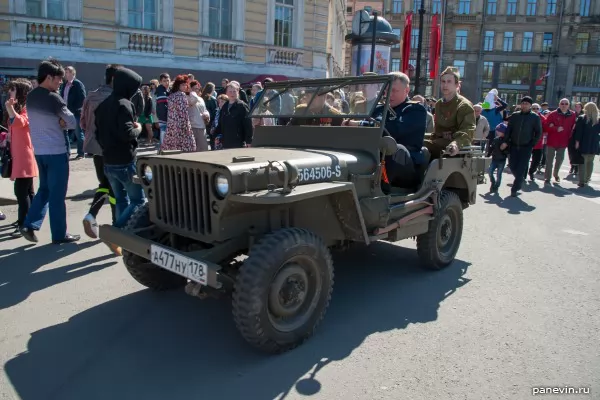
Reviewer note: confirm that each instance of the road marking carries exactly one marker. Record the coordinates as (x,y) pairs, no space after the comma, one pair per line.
(572,232)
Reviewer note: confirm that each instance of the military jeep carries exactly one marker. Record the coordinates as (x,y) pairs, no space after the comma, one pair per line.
(258,224)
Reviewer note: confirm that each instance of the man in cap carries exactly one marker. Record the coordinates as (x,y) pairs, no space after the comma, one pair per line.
(523,132)
(312,112)
(454,124)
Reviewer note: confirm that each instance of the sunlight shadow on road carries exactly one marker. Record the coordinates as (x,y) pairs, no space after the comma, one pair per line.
(172,346)
(513,205)
(19,278)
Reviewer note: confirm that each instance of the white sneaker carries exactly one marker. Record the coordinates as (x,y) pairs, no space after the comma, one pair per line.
(90,226)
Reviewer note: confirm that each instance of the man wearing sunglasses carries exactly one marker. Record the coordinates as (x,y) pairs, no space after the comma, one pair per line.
(559,125)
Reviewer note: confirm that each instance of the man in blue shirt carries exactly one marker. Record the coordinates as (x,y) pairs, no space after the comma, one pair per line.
(48,118)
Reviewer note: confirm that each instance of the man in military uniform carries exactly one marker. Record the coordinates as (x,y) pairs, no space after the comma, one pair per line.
(407,127)
(454,124)
(316,105)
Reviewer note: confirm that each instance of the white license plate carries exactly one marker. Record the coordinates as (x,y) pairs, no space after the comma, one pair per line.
(179,264)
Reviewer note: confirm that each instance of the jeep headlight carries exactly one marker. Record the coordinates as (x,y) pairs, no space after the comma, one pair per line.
(221,185)
(147,173)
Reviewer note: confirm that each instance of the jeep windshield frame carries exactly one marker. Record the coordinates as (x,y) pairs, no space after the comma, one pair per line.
(321,87)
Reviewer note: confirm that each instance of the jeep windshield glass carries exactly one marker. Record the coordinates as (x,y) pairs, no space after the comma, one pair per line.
(302,102)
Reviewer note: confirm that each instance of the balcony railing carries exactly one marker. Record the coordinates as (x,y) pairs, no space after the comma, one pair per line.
(43,32)
(284,57)
(221,50)
(142,42)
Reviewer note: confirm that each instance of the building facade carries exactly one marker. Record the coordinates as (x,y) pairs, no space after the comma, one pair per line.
(547,49)
(214,39)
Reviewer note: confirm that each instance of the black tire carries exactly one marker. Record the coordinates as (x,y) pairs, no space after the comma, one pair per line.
(141,269)
(287,253)
(438,247)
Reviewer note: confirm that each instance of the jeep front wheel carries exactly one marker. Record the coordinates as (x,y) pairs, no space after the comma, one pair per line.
(283,290)
(438,247)
(141,269)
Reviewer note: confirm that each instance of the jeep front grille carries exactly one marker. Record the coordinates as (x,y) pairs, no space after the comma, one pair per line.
(182,198)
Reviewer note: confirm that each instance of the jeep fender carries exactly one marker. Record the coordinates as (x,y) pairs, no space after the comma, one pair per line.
(327,201)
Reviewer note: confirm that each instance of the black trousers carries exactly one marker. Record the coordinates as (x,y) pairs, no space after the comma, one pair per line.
(400,168)
(104,190)
(518,163)
(24,193)
(536,160)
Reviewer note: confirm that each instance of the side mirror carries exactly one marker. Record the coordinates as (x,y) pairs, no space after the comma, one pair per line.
(388,146)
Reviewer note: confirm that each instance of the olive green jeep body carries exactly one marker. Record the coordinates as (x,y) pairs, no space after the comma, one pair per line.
(283,203)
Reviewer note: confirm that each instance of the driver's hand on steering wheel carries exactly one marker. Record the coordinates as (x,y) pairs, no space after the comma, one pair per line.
(452,149)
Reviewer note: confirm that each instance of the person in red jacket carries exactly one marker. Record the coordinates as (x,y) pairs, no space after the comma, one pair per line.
(559,125)
(536,155)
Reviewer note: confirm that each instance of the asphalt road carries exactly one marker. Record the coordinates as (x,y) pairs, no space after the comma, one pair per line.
(517,310)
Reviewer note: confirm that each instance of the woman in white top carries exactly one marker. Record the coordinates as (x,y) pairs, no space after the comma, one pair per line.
(198,115)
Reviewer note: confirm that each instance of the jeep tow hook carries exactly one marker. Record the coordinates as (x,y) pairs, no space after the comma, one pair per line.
(202,292)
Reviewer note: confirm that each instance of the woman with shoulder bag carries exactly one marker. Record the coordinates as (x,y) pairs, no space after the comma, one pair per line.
(24,166)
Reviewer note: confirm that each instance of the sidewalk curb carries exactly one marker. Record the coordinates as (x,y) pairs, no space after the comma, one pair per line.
(11,201)
(6,201)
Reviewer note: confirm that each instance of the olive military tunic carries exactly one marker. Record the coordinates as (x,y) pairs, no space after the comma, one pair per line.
(304,117)
(456,116)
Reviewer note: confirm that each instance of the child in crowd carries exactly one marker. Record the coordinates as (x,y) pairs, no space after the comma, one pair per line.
(499,157)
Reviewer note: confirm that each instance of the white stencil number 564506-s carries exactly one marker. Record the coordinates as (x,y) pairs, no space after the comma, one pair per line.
(319,173)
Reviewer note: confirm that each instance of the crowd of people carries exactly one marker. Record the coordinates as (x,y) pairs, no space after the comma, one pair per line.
(111,122)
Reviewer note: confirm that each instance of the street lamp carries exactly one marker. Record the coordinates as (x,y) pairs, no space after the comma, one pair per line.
(419,46)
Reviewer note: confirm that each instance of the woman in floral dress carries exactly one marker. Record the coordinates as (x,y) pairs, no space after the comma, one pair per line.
(179,134)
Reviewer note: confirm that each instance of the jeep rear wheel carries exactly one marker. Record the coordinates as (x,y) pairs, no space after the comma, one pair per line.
(141,269)
(283,290)
(438,247)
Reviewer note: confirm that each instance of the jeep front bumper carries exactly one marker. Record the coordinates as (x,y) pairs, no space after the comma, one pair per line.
(189,265)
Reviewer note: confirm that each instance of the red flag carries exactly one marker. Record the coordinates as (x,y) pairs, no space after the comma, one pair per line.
(406,39)
(434,48)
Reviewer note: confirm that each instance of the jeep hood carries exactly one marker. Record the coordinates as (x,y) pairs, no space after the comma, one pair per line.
(256,157)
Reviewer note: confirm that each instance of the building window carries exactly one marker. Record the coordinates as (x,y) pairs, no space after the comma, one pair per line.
(584,8)
(488,69)
(515,73)
(397,6)
(416,5)
(219,20)
(436,7)
(349,10)
(488,43)
(531,7)
(587,76)
(414,38)
(397,31)
(511,7)
(395,64)
(142,14)
(527,42)
(464,6)
(461,40)
(51,9)
(547,43)
(507,45)
(460,64)
(492,6)
(582,42)
(551,7)
(284,19)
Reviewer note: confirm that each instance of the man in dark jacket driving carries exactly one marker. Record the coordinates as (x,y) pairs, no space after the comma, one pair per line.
(117,131)
(523,132)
